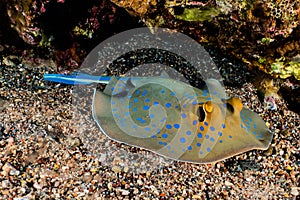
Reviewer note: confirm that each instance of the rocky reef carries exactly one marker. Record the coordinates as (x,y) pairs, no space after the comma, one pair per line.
(263,35)
(66,29)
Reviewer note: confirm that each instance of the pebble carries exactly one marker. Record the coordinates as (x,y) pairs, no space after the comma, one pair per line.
(139,182)
(5,184)
(125,192)
(37,186)
(248,179)
(7,168)
(116,169)
(295,191)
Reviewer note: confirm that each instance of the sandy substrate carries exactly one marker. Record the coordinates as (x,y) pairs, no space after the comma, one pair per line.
(51,150)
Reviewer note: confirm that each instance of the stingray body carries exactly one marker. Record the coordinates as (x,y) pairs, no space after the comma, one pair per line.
(174,119)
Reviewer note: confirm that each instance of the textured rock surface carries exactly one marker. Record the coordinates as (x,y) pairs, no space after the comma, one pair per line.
(264,35)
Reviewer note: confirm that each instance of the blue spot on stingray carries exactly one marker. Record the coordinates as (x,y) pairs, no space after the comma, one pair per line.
(173,93)
(194,122)
(250,119)
(168,126)
(164,135)
(201,128)
(184,106)
(194,102)
(223,126)
(158,131)
(144,93)
(206,136)
(163,119)
(182,140)
(162,91)
(199,135)
(221,141)
(214,93)
(208,99)
(147,100)
(204,94)
(212,139)
(189,148)
(254,133)
(198,144)
(168,105)
(176,106)
(177,126)
(205,123)
(137,92)
(212,128)
(139,119)
(165,143)
(128,106)
(134,126)
(143,121)
(208,149)
(247,123)
(127,114)
(113,103)
(147,129)
(230,136)
(160,143)
(169,147)
(254,126)
(205,91)
(220,133)
(153,136)
(183,115)
(225,105)
(151,116)
(155,103)
(188,132)
(146,107)
(117,116)
(134,109)
(129,96)
(153,125)
(201,152)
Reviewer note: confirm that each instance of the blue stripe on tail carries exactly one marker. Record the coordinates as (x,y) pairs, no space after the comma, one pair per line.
(76,79)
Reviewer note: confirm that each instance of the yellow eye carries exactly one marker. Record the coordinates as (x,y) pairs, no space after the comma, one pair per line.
(236,103)
(208,107)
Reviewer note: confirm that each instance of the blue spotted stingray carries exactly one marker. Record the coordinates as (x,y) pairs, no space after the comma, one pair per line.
(172,118)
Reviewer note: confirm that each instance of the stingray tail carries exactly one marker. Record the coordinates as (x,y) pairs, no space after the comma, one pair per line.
(76,79)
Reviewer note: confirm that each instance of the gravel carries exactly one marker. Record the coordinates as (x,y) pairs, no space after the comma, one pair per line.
(43,154)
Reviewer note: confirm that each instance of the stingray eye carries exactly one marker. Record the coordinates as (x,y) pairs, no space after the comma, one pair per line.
(208,107)
(234,105)
(201,113)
